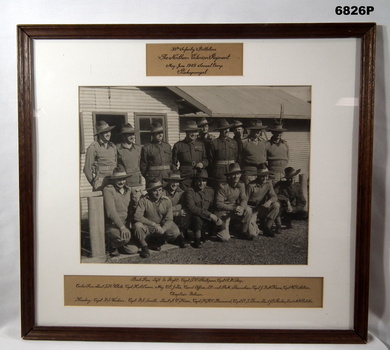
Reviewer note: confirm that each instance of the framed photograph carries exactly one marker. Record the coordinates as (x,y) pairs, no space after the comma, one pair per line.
(196,183)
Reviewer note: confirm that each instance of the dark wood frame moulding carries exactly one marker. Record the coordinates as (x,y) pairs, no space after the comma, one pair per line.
(26,36)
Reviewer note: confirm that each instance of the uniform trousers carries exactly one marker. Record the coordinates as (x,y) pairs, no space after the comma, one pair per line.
(114,241)
(146,234)
(263,214)
(239,224)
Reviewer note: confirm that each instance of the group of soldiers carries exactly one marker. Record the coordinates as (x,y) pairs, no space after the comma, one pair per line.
(204,187)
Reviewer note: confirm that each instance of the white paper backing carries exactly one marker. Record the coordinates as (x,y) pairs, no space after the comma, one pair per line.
(329,66)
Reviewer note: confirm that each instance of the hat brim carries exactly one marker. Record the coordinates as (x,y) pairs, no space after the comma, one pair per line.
(121,177)
(153,187)
(277,130)
(105,130)
(223,127)
(173,179)
(235,172)
(256,127)
(193,129)
(127,132)
(293,174)
(263,173)
(157,131)
(201,178)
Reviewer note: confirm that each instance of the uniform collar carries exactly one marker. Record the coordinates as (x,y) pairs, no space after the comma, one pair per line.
(128,145)
(125,189)
(103,144)
(275,142)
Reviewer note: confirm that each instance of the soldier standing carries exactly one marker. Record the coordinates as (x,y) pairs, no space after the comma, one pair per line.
(238,131)
(223,151)
(253,152)
(101,157)
(204,135)
(156,157)
(277,153)
(189,154)
(129,155)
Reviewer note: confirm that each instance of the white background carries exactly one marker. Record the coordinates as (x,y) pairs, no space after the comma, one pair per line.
(57,12)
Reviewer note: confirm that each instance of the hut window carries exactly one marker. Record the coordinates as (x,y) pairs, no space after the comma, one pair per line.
(112,119)
(142,123)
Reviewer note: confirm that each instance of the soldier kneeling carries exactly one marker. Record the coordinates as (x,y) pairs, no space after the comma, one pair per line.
(154,224)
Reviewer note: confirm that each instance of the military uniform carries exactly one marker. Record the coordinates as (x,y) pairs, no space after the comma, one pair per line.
(129,156)
(206,140)
(239,141)
(176,200)
(150,213)
(116,205)
(100,161)
(227,199)
(258,194)
(292,194)
(277,158)
(188,153)
(156,160)
(198,204)
(253,152)
(223,151)
(177,206)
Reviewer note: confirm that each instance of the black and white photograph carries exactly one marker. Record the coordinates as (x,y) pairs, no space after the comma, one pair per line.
(195,174)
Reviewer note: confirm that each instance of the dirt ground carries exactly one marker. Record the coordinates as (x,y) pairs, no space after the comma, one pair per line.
(288,248)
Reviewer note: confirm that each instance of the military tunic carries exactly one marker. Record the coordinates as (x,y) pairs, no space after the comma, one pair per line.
(116,205)
(252,153)
(223,151)
(227,199)
(129,156)
(150,213)
(100,161)
(177,206)
(277,158)
(258,195)
(292,193)
(198,204)
(206,140)
(188,153)
(156,160)
(176,200)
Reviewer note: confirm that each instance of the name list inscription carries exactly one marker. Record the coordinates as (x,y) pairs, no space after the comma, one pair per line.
(157,291)
(194,59)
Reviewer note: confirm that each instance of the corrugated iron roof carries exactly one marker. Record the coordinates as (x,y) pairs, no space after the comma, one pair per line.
(248,101)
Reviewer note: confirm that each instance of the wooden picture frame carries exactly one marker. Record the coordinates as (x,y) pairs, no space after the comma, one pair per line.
(28,34)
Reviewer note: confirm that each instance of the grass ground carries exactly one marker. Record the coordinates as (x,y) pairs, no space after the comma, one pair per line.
(288,248)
